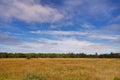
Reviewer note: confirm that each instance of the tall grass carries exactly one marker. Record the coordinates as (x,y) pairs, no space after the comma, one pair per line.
(59,69)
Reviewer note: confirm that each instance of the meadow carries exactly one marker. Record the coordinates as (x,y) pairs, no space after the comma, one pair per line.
(60,68)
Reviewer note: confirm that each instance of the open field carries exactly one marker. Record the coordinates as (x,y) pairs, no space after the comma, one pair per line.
(60,68)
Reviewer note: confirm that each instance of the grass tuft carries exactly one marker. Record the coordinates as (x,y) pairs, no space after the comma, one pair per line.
(34,77)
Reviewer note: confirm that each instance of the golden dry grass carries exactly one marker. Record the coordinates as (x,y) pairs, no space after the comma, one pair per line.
(61,68)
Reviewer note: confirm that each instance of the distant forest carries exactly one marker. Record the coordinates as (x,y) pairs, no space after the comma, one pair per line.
(56,55)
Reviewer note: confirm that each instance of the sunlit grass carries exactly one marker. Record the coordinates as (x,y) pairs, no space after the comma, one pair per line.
(61,68)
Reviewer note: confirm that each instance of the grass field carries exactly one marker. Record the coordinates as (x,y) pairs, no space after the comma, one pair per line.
(60,68)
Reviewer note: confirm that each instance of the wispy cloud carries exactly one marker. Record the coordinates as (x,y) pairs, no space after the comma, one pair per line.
(67,33)
(92,8)
(115,19)
(87,26)
(8,40)
(91,34)
(28,11)
(64,45)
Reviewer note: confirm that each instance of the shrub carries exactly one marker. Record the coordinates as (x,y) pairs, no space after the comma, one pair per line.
(116,78)
(28,57)
(34,77)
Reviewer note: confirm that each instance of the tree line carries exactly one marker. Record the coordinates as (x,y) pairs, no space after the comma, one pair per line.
(58,55)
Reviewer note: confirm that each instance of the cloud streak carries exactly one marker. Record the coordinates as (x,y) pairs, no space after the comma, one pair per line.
(78,33)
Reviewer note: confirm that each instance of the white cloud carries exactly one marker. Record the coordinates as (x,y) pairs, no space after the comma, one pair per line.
(92,35)
(63,45)
(87,26)
(103,36)
(29,11)
(67,33)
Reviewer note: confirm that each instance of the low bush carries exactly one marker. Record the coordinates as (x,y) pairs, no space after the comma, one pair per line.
(28,56)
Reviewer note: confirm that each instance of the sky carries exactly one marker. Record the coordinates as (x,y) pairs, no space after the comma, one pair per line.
(60,26)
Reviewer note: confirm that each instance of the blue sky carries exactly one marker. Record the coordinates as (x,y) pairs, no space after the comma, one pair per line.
(87,26)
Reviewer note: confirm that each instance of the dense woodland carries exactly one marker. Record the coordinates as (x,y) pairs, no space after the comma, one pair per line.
(56,55)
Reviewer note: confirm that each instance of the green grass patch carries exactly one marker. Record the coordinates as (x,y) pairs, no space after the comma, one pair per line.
(34,77)
(117,78)
(2,78)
